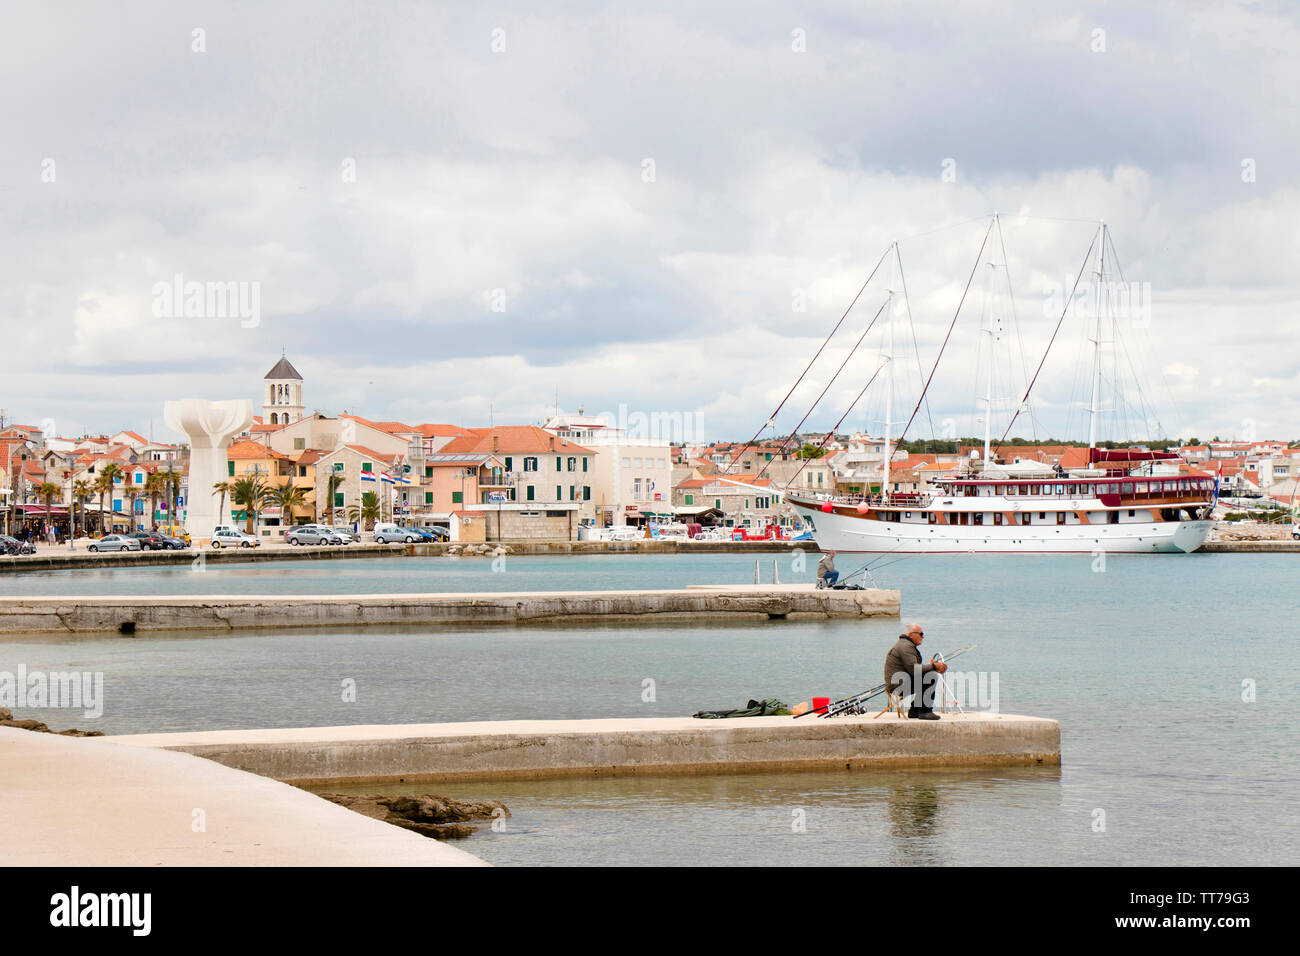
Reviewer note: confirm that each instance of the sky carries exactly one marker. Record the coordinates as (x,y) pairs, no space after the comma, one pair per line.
(471,213)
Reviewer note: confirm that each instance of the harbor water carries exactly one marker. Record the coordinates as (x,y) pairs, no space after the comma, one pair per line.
(1171,676)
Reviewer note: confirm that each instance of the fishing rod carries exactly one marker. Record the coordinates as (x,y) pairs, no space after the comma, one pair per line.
(850,704)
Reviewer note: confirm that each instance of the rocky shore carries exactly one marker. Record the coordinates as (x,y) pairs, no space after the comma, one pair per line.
(7,720)
(441,818)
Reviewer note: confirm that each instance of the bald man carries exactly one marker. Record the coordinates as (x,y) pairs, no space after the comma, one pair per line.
(906,673)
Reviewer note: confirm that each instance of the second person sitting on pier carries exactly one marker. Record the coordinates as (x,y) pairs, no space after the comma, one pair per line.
(826,573)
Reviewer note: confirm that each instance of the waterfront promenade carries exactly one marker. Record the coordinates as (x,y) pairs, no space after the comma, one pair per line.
(83,802)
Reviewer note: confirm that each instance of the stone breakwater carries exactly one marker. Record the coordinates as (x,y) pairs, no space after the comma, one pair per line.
(734,603)
(527,749)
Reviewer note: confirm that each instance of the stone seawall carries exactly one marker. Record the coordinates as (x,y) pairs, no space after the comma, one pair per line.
(56,558)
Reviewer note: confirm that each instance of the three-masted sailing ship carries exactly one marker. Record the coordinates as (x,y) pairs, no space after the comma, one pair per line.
(1118,500)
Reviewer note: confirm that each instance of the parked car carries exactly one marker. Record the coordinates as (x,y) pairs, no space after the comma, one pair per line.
(174,544)
(227,537)
(392,533)
(311,534)
(345,536)
(149,540)
(9,545)
(115,542)
(431,534)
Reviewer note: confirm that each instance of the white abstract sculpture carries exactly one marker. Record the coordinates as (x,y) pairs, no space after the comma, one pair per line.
(209,426)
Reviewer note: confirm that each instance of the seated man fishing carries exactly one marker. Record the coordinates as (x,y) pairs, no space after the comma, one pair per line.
(906,674)
(826,573)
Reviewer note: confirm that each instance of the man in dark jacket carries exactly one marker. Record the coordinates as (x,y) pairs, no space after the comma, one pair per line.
(905,673)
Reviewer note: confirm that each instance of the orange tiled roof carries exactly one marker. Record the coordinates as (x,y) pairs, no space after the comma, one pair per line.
(513,440)
(246,450)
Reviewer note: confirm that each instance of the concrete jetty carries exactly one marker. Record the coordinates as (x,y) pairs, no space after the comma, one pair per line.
(731,603)
(523,749)
(83,802)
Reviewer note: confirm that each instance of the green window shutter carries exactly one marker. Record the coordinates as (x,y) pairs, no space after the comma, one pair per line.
(230,469)
(428,471)
(338,499)
(690,499)
(510,463)
(457,497)
(530,492)
(338,466)
(584,464)
(559,495)
(428,497)
(586,492)
(717,503)
(557,463)
(367,466)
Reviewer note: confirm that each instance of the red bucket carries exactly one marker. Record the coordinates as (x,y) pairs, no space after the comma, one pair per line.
(821,703)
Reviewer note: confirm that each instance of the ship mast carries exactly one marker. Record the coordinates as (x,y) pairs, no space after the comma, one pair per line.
(1096,338)
(888,359)
(988,392)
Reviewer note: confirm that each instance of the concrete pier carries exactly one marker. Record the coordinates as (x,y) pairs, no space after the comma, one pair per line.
(618,747)
(81,802)
(732,603)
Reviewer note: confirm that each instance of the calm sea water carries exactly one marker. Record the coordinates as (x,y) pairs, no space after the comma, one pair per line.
(1142,662)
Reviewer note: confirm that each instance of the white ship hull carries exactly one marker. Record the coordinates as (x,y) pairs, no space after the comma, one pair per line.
(852,534)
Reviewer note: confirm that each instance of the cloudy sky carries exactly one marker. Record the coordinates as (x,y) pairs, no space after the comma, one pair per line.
(453,211)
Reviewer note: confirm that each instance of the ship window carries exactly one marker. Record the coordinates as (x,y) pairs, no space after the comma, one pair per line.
(997,518)
(1060,517)
(979,517)
(934,519)
(1131,513)
(907,514)
(1042,516)
(1126,488)
(1024,489)
(1024,518)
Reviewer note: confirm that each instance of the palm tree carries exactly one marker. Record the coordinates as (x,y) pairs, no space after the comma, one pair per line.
(130,492)
(369,510)
(46,491)
(155,486)
(288,496)
(104,485)
(221,488)
(172,482)
(332,484)
(250,492)
(81,490)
